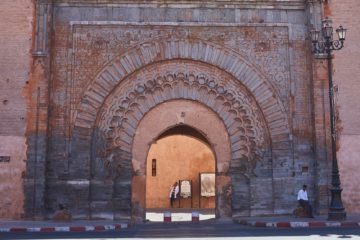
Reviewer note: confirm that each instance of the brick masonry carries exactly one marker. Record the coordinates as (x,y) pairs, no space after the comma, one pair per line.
(346,72)
(15,64)
(116,61)
(96,73)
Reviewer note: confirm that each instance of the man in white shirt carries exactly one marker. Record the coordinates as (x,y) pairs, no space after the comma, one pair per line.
(304,201)
(174,190)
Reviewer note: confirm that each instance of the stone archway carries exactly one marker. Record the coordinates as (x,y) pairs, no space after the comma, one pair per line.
(197,116)
(155,73)
(163,82)
(157,84)
(198,50)
(181,152)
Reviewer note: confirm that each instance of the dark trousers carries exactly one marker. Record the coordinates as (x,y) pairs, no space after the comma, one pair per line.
(172,199)
(305,204)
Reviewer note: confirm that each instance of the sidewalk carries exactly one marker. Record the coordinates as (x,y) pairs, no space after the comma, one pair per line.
(352,221)
(51,226)
(292,222)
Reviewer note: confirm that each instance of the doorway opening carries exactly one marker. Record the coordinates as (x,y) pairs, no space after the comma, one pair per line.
(182,155)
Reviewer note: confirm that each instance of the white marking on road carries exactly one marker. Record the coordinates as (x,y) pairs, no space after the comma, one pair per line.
(299,224)
(62,229)
(34,229)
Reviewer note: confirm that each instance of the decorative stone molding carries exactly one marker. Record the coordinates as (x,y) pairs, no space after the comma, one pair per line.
(227,60)
(137,58)
(278,4)
(132,99)
(250,156)
(230,47)
(43,16)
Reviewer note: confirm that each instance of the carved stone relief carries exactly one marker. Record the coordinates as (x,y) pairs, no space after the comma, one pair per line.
(95,46)
(182,80)
(113,89)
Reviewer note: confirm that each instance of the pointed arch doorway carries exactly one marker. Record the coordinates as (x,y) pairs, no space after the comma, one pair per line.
(203,127)
(181,153)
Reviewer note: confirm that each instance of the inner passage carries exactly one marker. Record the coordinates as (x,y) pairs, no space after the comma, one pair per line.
(183,156)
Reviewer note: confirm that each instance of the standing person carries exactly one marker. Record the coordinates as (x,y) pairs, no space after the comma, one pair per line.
(174,190)
(304,201)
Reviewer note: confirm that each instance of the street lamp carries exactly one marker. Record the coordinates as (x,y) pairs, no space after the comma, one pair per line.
(325,46)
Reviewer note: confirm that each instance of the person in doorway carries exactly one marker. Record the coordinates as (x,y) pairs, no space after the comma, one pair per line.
(304,201)
(174,190)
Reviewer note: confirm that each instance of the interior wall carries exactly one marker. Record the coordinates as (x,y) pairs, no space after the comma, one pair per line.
(178,157)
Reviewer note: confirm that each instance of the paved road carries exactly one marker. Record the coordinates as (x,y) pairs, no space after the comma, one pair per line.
(196,231)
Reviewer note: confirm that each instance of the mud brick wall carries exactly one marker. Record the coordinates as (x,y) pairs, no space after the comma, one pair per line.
(15,65)
(346,72)
(63,80)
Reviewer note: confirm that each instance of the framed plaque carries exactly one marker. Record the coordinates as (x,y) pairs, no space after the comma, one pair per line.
(207,184)
(185,188)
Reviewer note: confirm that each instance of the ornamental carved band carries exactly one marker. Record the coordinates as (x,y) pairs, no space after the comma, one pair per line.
(189,80)
(245,81)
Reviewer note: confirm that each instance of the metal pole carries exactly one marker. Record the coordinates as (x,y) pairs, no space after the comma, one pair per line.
(336,209)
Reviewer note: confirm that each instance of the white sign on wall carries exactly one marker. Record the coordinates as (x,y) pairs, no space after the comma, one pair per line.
(207,184)
(185,188)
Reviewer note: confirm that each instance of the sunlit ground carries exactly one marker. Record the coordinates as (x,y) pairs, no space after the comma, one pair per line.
(176,217)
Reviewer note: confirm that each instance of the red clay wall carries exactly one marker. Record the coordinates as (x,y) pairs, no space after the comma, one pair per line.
(346,76)
(18,98)
(15,45)
(177,157)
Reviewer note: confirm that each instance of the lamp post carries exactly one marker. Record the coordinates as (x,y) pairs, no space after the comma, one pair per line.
(326,45)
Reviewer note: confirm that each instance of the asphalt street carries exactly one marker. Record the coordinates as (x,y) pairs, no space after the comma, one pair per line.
(197,231)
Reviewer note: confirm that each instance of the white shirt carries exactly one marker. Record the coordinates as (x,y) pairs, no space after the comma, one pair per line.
(176,191)
(302,195)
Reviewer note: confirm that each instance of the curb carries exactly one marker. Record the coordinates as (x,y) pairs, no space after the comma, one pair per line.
(297,224)
(98,228)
